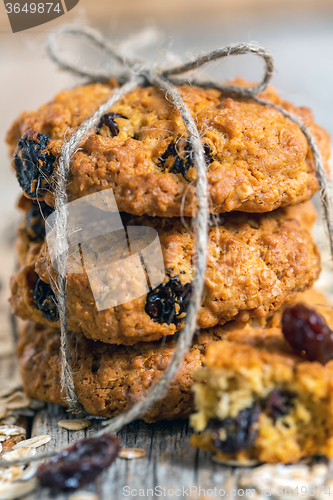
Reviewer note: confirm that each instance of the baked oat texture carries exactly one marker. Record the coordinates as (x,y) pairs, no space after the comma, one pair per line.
(109,379)
(255,264)
(257,399)
(257,160)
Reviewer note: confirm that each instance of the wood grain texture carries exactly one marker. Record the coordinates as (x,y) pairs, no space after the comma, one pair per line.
(175,12)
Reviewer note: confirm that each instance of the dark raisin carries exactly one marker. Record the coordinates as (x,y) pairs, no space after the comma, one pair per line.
(306,331)
(79,464)
(34,163)
(168,302)
(179,160)
(208,154)
(108,121)
(278,403)
(45,300)
(35,220)
(234,434)
(171,161)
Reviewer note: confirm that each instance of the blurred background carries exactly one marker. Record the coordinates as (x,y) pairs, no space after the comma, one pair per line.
(298,32)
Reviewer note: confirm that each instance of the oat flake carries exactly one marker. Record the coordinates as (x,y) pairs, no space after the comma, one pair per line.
(34,442)
(11,491)
(131,453)
(19,453)
(11,430)
(83,495)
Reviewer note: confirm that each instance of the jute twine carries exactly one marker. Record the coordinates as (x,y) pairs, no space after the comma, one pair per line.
(135,73)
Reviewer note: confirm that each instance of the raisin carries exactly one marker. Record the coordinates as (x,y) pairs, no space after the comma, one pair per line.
(45,300)
(171,161)
(108,121)
(168,302)
(178,161)
(34,163)
(208,154)
(35,221)
(306,331)
(79,464)
(278,403)
(234,434)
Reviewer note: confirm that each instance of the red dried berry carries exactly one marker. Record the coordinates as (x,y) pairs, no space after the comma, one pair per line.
(306,330)
(80,463)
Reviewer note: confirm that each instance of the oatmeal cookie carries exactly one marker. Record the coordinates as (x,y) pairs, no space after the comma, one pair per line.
(257,160)
(255,264)
(31,231)
(257,398)
(109,379)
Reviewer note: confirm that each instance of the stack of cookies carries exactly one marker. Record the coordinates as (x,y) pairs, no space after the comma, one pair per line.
(261,254)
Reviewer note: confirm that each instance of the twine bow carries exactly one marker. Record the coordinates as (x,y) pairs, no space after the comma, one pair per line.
(136,72)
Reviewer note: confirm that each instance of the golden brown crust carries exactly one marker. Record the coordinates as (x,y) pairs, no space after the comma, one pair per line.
(261,160)
(255,264)
(109,379)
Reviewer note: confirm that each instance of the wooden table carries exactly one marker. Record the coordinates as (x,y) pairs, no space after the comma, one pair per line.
(170,463)
(171,467)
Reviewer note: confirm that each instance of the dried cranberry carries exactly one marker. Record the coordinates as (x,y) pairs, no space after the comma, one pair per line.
(45,300)
(238,433)
(168,302)
(278,403)
(79,464)
(34,163)
(306,330)
(108,120)
(35,220)
(180,161)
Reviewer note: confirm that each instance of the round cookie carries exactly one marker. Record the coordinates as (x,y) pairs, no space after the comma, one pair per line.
(255,264)
(257,160)
(109,379)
